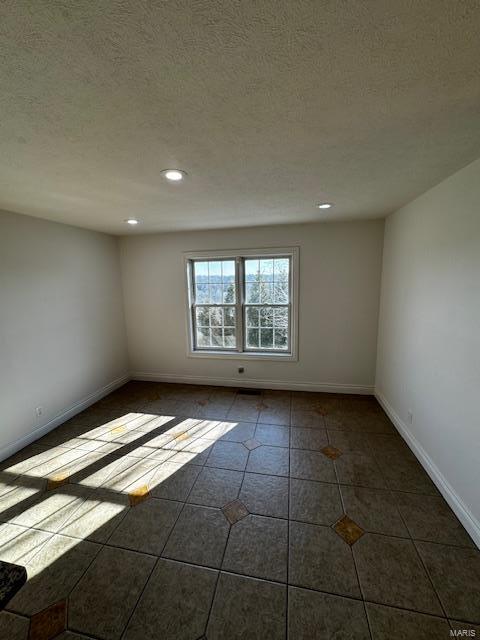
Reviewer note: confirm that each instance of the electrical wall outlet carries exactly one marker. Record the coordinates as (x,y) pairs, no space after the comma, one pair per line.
(39,412)
(410,417)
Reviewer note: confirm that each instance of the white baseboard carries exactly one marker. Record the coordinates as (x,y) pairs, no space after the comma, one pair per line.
(15,446)
(256,384)
(468,520)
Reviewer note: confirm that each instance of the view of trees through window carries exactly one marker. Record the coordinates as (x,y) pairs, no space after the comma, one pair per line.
(215,299)
(266,303)
(264,300)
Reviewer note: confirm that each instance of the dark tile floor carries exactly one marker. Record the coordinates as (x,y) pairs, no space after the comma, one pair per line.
(181,512)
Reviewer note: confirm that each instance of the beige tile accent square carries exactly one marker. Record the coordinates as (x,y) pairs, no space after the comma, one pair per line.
(235,511)
(139,494)
(348,530)
(49,623)
(202,403)
(331,452)
(120,429)
(182,436)
(251,443)
(57,481)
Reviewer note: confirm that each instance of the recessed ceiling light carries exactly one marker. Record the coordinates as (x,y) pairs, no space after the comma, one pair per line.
(324,205)
(174,175)
(131,221)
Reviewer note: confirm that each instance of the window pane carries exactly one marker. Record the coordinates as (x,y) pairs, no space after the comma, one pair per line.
(266,338)
(214,272)
(229,293)
(266,270)
(252,338)
(280,334)
(267,328)
(281,292)
(281,269)
(200,271)
(252,292)
(229,317)
(202,316)
(281,339)
(216,316)
(266,317)
(203,337)
(267,283)
(260,279)
(216,294)
(266,293)
(202,293)
(281,318)
(228,279)
(214,281)
(252,270)
(253,319)
(229,338)
(215,327)
(228,271)
(217,338)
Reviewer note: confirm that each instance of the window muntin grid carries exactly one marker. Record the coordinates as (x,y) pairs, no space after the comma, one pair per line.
(267,298)
(215,327)
(214,281)
(214,312)
(241,304)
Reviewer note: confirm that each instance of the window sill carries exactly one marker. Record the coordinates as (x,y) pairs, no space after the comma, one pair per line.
(283,357)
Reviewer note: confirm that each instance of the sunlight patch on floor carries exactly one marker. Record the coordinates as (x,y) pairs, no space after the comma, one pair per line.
(100,469)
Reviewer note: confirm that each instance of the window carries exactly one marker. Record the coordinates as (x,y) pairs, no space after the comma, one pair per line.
(242,304)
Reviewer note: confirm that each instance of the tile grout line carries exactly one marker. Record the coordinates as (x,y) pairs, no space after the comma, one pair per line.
(142,591)
(274,475)
(288,530)
(429,577)
(215,590)
(105,545)
(417,551)
(83,636)
(354,561)
(262,515)
(160,557)
(409,536)
(95,556)
(299,586)
(203,466)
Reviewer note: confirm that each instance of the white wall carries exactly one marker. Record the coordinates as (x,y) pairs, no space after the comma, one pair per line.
(62,332)
(429,334)
(340,267)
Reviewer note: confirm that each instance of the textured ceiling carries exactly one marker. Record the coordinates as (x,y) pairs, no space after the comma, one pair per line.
(270,106)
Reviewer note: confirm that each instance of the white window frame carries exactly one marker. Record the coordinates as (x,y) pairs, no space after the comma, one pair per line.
(240,353)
